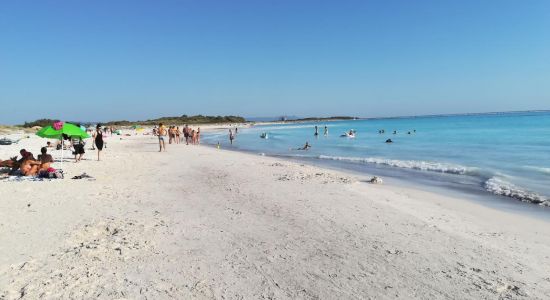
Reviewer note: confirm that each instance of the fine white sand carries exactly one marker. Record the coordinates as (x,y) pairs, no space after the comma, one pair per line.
(197,222)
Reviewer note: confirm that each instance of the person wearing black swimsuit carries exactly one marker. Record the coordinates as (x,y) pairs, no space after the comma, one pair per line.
(99,140)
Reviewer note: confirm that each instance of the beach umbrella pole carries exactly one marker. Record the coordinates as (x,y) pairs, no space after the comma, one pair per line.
(61,160)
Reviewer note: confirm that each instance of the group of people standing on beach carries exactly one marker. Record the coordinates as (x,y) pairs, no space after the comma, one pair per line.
(175,136)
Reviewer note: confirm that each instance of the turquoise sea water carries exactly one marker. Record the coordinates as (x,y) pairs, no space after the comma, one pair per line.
(505,154)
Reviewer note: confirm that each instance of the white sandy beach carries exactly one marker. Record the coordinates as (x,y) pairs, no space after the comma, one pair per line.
(197,222)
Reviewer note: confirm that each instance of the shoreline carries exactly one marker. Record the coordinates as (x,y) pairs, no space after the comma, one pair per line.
(460,180)
(201,222)
(396,177)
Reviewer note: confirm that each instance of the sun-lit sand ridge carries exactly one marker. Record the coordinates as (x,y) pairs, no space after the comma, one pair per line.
(197,222)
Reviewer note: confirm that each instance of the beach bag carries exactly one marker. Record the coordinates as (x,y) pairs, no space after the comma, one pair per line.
(58,174)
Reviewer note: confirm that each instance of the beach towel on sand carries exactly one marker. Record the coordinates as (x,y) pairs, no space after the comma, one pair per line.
(57,174)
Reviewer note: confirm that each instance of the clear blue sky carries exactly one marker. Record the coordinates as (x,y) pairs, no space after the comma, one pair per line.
(105,60)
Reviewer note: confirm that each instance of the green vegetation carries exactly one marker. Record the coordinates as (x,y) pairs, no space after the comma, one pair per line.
(198,119)
(40,122)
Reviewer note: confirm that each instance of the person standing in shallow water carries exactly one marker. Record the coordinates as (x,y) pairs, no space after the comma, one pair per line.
(231,136)
(98,140)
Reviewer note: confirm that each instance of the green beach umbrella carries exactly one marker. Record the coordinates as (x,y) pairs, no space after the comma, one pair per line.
(67,128)
(57,130)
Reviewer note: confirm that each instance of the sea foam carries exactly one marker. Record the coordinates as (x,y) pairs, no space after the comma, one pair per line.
(501,187)
(408,164)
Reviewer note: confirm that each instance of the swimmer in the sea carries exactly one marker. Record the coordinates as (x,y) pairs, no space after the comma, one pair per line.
(305,147)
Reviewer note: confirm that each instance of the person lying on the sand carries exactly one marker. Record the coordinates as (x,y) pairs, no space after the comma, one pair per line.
(13,162)
(9,163)
(45,160)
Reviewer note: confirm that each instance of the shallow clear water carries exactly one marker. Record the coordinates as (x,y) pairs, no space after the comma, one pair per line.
(505,154)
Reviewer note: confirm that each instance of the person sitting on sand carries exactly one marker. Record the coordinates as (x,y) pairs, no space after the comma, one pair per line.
(29,166)
(49,144)
(45,159)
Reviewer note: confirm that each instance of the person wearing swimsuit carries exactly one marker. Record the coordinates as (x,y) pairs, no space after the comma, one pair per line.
(98,140)
(161,133)
(186,134)
(231,136)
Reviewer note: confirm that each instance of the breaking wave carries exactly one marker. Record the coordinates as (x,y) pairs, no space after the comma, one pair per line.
(501,187)
(409,164)
(541,170)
